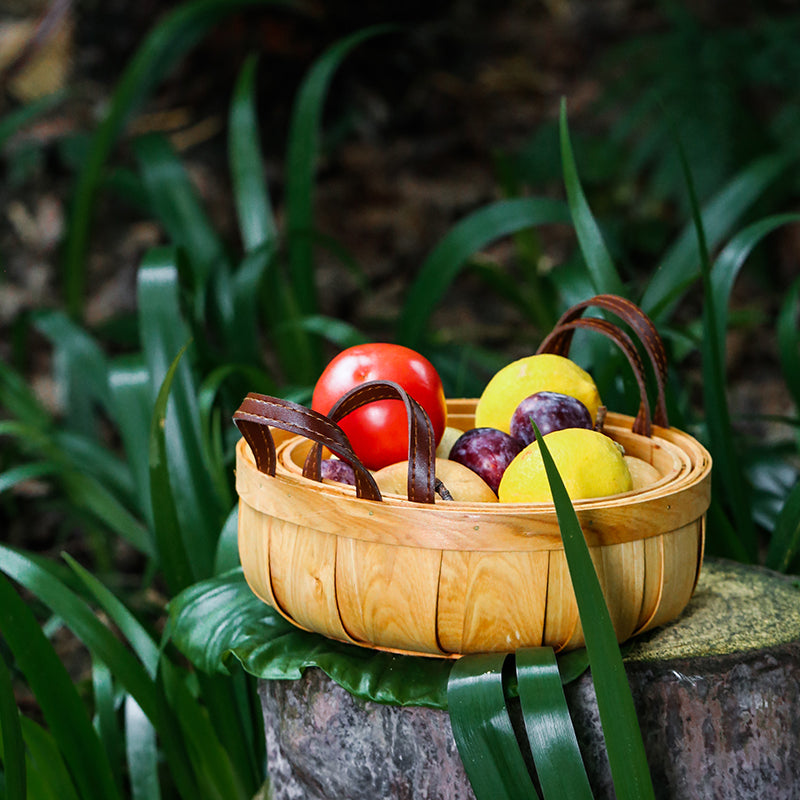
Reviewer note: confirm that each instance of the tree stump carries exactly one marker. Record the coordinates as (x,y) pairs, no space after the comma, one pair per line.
(717,694)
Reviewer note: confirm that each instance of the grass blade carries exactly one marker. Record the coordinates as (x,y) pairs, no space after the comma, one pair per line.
(679,268)
(451,254)
(626,755)
(13,748)
(48,777)
(105,721)
(301,162)
(784,544)
(788,339)
(141,753)
(58,699)
(558,761)
(250,193)
(602,271)
(163,47)
(174,200)
(482,729)
(178,569)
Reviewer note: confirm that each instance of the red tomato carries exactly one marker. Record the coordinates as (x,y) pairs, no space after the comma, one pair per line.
(379,431)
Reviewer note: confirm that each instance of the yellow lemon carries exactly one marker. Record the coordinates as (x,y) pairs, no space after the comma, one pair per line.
(525,376)
(589,462)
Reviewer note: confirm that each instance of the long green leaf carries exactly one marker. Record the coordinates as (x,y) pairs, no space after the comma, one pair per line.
(175,202)
(680,267)
(164,334)
(48,777)
(164,46)
(26,472)
(14,121)
(105,718)
(483,732)
(602,271)
(58,699)
(301,163)
(784,544)
(552,739)
(465,239)
(251,196)
(13,747)
(141,753)
(789,341)
(626,754)
(179,571)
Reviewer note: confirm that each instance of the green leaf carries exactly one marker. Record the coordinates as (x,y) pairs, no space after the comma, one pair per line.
(228,546)
(464,240)
(301,163)
(163,47)
(13,747)
(626,755)
(178,569)
(250,193)
(105,721)
(789,341)
(164,334)
(602,271)
(784,544)
(58,699)
(26,472)
(14,121)
(552,739)
(680,266)
(175,202)
(141,753)
(482,729)
(48,777)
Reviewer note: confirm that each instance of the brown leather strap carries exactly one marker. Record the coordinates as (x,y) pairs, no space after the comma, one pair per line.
(422,443)
(641,325)
(555,343)
(258,412)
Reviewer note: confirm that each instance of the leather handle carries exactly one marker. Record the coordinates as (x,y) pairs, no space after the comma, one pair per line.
(258,412)
(421,440)
(560,339)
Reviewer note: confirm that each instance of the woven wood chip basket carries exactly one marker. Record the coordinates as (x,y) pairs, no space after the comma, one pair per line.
(444,578)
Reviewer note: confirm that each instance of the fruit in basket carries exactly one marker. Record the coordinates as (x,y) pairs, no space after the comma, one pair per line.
(449,438)
(378,431)
(643,474)
(551,411)
(334,469)
(461,482)
(525,376)
(487,452)
(590,463)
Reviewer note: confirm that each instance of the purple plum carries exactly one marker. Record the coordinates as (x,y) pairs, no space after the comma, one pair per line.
(335,469)
(551,411)
(487,452)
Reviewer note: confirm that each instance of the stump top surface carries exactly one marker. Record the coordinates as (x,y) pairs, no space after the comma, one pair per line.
(735,608)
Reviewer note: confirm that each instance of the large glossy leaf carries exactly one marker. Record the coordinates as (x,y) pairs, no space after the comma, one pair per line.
(601,269)
(551,737)
(165,45)
(464,240)
(13,747)
(56,695)
(624,745)
(250,192)
(483,732)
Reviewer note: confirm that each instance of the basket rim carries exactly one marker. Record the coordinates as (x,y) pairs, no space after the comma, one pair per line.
(335,509)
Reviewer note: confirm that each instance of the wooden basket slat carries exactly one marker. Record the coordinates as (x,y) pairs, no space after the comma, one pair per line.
(302,572)
(478,613)
(561,615)
(388,594)
(653,580)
